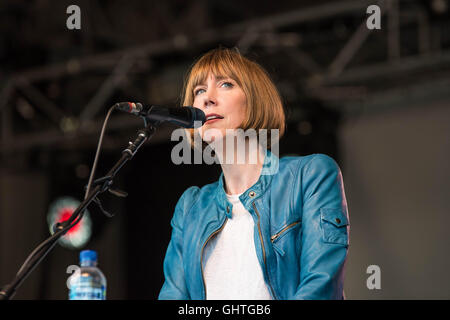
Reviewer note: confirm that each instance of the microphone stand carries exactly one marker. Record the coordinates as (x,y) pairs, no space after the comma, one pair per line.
(101,185)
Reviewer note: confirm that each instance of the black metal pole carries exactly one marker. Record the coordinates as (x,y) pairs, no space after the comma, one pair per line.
(9,290)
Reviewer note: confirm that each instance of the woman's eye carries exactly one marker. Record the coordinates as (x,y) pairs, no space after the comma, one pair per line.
(196,92)
(227,84)
(223,84)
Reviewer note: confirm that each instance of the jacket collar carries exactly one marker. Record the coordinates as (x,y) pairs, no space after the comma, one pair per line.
(270,167)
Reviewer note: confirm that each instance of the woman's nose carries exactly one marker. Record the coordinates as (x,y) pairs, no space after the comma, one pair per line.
(209,98)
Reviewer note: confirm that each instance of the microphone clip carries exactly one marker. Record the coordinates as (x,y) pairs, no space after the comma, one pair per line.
(106,183)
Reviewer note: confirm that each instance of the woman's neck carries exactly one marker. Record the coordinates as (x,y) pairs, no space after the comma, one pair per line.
(243,171)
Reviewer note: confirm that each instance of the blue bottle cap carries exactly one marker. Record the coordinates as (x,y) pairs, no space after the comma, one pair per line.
(88,255)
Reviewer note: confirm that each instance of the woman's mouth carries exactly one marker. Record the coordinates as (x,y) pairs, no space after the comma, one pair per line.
(212,117)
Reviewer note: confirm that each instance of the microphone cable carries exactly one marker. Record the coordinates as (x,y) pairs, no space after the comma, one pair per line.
(51,241)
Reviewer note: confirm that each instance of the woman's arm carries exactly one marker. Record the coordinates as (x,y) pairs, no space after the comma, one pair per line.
(174,287)
(325,230)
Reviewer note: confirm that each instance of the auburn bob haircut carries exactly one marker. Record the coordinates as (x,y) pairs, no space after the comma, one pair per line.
(264,106)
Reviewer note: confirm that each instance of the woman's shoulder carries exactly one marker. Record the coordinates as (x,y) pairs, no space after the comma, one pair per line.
(193,193)
(315,161)
(308,165)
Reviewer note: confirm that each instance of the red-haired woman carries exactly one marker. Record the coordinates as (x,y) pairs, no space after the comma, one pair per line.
(274,228)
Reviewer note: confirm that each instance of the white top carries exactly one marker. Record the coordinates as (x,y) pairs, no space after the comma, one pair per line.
(231,268)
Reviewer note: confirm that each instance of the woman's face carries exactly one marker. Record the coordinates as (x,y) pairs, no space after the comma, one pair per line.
(223,98)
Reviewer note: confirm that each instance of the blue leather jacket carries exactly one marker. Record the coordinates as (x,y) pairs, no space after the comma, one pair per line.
(301,230)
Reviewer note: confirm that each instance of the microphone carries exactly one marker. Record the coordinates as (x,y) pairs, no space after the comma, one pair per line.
(183,116)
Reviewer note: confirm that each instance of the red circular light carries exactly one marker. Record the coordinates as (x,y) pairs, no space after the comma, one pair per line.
(63,215)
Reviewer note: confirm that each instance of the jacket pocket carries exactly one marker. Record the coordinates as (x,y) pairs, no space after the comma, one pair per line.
(334,224)
(281,233)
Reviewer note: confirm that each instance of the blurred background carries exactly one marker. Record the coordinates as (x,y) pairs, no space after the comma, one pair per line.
(376,100)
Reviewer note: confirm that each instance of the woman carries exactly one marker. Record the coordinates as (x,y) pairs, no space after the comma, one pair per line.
(258,232)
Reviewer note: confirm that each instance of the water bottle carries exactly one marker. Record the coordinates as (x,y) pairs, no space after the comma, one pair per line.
(87,282)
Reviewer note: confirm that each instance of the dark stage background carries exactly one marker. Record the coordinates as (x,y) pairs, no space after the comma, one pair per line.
(376,100)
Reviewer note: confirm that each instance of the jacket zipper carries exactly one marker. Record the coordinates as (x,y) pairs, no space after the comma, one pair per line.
(263,249)
(275,236)
(201,254)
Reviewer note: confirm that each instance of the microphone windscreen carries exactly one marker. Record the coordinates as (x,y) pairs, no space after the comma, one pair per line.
(198,115)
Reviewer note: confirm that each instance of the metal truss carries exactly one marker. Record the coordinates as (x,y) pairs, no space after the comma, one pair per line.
(335,80)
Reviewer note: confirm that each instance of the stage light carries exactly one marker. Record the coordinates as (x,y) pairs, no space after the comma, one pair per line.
(60,210)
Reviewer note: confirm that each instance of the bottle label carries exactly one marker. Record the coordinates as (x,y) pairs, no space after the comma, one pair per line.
(87,291)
